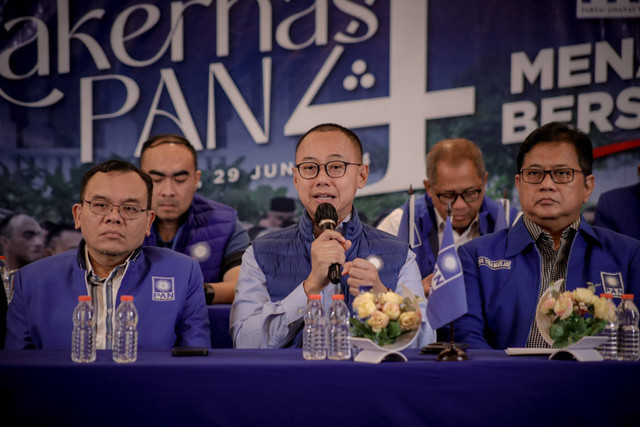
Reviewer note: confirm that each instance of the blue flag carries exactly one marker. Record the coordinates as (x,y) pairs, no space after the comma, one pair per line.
(501,218)
(447,299)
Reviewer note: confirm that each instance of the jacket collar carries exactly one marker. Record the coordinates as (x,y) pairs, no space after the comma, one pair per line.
(519,239)
(81,251)
(351,229)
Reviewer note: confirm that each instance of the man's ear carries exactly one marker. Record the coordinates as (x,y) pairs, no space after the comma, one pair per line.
(363,174)
(198,175)
(76,210)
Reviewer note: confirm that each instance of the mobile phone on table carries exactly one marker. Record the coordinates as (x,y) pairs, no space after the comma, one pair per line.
(189,351)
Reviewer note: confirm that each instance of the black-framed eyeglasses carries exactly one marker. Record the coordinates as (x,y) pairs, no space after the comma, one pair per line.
(559,176)
(334,169)
(469,196)
(100,207)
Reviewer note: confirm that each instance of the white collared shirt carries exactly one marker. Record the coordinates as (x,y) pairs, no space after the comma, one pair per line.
(472,231)
(103,297)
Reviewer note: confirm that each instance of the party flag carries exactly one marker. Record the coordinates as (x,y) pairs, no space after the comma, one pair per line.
(447,299)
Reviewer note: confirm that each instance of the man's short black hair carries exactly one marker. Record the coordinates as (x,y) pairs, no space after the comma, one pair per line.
(332,127)
(560,132)
(54,230)
(117,166)
(5,230)
(157,140)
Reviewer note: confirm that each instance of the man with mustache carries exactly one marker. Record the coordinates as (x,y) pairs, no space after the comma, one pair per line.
(113,214)
(188,223)
(507,272)
(281,269)
(455,174)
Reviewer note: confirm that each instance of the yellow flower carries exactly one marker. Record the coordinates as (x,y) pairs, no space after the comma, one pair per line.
(378,321)
(409,320)
(584,295)
(547,305)
(564,306)
(604,309)
(364,304)
(390,296)
(392,310)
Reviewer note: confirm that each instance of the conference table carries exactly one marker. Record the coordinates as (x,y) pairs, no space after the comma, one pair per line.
(280,388)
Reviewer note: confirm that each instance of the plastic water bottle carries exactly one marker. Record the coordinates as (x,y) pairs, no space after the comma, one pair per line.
(339,345)
(314,345)
(609,350)
(629,335)
(125,338)
(83,338)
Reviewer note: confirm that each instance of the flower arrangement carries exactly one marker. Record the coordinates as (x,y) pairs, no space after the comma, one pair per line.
(569,316)
(384,317)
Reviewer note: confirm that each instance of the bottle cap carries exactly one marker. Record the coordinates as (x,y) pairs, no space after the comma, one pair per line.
(2,257)
(315,296)
(126,297)
(337,297)
(627,296)
(84,298)
(607,296)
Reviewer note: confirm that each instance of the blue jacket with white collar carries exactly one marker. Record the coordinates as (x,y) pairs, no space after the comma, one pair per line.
(502,279)
(47,290)
(427,228)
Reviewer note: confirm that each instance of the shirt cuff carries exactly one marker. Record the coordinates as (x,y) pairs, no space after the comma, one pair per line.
(294,304)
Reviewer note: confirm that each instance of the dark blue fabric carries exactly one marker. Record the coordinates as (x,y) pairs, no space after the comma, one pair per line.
(219,321)
(46,293)
(285,256)
(279,388)
(502,279)
(209,224)
(619,210)
(426,227)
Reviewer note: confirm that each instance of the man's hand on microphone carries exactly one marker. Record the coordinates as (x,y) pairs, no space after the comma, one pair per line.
(328,248)
(362,273)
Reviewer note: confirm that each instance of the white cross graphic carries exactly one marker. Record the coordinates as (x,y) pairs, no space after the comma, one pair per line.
(404,110)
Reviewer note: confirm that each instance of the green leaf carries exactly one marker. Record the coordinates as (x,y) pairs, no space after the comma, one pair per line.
(557,331)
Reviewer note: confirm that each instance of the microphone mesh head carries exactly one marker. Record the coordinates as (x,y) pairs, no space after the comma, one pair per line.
(326,211)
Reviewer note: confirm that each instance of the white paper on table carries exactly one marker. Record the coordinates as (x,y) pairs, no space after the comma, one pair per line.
(583,351)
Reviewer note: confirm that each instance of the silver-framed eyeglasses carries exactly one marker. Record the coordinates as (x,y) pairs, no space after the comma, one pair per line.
(559,176)
(334,169)
(469,196)
(100,207)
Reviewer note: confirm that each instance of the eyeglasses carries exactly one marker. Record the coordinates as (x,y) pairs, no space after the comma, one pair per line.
(559,176)
(334,169)
(469,196)
(104,208)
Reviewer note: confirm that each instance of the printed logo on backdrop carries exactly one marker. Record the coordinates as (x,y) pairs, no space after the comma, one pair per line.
(163,288)
(612,283)
(607,8)
(163,93)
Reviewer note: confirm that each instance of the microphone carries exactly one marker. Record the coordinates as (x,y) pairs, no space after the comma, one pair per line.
(327,219)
